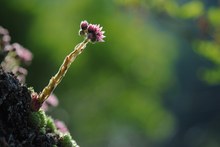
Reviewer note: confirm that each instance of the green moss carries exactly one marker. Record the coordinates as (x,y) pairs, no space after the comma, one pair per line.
(31,89)
(50,124)
(46,124)
(42,130)
(67,141)
(38,119)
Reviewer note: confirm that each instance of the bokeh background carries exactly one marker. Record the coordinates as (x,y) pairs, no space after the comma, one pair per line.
(155,82)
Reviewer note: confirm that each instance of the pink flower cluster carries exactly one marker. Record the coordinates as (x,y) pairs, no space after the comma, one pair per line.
(61,126)
(4,37)
(52,101)
(93,32)
(21,52)
(13,55)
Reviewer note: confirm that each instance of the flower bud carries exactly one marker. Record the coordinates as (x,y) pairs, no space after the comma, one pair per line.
(84,25)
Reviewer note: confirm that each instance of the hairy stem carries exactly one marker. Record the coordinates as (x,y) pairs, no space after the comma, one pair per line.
(55,80)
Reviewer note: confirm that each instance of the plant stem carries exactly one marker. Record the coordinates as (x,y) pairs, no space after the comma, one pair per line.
(55,80)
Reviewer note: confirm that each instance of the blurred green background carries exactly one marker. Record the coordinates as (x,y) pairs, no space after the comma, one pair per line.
(154,82)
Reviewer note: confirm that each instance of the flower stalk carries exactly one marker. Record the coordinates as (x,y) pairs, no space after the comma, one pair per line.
(55,80)
(93,33)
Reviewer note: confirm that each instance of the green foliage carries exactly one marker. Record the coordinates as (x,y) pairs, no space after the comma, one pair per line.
(213,16)
(212,75)
(209,49)
(192,9)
